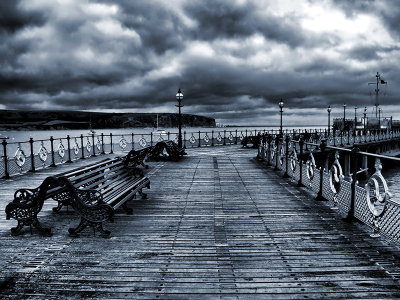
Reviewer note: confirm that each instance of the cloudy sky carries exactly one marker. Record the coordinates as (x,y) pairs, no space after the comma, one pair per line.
(233,59)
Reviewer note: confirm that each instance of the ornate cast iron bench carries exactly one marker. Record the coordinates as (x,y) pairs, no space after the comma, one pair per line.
(253,140)
(167,150)
(136,158)
(94,192)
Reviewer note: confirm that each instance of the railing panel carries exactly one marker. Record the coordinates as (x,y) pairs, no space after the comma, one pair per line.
(327,192)
(343,198)
(362,211)
(389,223)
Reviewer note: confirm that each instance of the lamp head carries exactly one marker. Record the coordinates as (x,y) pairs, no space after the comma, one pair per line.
(179,95)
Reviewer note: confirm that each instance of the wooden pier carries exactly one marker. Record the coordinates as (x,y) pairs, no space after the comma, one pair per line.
(217,224)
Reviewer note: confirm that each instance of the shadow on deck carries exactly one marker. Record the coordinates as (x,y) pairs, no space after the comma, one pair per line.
(215,224)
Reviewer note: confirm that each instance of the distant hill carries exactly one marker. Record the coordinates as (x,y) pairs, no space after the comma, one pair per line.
(18,119)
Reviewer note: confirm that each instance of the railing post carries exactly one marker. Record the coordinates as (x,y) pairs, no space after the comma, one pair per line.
(334,137)
(184,140)
(32,156)
(83,149)
(224,138)
(286,175)
(151,139)
(236,137)
(269,140)
(277,142)
(102,144)
(168,135)
(347,159)
(133,140)
(246,132)
(350,215)
(69,149)
(93,145)
(6,174)
(199,140)
(341,139)
(348,137)
(212,137)
(301,144)
(321,171)
(111,144)
(263,141)
(53,163)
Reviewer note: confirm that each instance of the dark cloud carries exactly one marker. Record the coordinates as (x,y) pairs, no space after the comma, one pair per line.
(232,59)
(222,19)
(13,18)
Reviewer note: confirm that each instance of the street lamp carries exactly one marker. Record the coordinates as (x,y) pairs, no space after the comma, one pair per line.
(365,118)
(379,122)
(179,98)
(329,119)
(281,111)
(344,116)
(355,120)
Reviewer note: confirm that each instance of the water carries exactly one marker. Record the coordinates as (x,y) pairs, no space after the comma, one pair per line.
(24,135)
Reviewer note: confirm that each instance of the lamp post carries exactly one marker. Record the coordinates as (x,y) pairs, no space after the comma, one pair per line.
(365,118)
(281,111)
(344,116)
(379,120)
(179,98)
(329,119)
(355,120)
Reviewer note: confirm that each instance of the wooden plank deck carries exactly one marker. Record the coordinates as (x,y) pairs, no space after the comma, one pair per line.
(217,224)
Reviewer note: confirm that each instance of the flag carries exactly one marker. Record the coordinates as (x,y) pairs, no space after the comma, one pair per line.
(383,81)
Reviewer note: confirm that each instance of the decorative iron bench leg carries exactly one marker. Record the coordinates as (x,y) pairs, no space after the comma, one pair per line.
(35,222)
(127,209)
(43,230)
(84,223)
(75,231)
(58,208)
(143,195)
(103,233)
(16,230)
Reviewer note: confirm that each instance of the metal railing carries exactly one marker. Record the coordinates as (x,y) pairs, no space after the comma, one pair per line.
(341,176)
(24,156)
(18,157)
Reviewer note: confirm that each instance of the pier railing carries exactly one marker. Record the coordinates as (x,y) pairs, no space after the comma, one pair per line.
(351,180)
(18,157)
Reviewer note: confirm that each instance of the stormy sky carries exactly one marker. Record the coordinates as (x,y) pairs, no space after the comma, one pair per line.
(233,59)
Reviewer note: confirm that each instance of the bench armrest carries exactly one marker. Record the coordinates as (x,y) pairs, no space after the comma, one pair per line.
(90,197)
(89,204)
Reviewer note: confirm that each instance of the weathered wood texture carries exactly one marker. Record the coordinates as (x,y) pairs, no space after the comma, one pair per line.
(215,225)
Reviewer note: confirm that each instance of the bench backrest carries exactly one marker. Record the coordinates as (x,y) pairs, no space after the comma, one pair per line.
(90,176)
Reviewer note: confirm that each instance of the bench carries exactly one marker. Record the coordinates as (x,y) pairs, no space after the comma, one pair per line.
(166,150)
(253,140)
(136,158)
(95,192)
